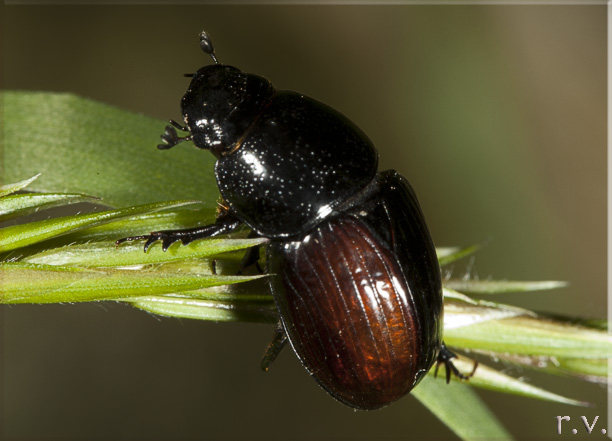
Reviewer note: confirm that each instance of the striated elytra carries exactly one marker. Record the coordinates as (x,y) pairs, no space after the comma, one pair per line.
(353,269)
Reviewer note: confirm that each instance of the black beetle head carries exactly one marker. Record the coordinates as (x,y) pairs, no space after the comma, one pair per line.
(221,103)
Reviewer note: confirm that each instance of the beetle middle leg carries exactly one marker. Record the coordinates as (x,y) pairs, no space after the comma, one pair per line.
(251,257)
(224,224)
(445,357)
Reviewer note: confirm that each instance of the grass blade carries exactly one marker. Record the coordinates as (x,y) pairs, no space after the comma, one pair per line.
(30,283)
(457,405)
(12,188)
(82,146)
(18,236)
(22,204)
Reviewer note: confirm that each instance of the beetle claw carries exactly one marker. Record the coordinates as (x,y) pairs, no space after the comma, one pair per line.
(150,240)
(445,357)
(167,238)
(129,239)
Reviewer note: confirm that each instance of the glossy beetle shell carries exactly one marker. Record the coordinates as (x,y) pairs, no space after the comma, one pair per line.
(360,298)
(298,161)
(220,105)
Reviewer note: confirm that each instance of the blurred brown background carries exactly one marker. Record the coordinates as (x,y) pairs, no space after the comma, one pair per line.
(496,114)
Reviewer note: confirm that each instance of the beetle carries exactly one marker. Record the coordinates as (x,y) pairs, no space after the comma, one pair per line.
(352,267)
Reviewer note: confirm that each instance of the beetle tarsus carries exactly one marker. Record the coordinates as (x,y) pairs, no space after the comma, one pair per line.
(223,225)
(130,239)
(170,136)
(445,357)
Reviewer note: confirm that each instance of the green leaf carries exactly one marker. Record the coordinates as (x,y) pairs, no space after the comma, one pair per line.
(18,236)
(501,286)
(589,369)
(33,283)
(12,188)
(22,204)
(106,254)
(594,370)
(457,405)
(187,216)
(81,146)
(495,328)
(449,255)
(201,309)
(491,379)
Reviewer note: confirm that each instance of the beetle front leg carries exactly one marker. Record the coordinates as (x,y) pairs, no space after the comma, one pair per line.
(224,224)
(171,138)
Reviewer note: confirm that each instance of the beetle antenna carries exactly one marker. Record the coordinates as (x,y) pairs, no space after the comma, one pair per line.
(207,46)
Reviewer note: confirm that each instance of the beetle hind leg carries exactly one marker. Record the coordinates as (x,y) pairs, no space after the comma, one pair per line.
(274,348)
(445,356)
